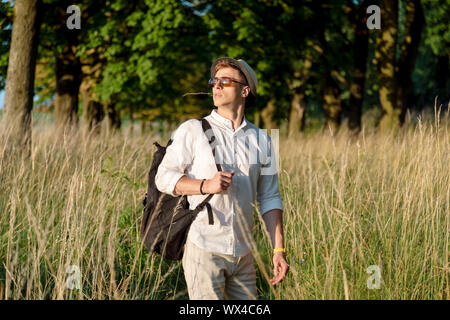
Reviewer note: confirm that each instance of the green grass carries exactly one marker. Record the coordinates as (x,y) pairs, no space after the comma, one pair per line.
(382,199)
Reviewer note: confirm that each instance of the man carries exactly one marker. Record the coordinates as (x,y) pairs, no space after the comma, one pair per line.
(217,260)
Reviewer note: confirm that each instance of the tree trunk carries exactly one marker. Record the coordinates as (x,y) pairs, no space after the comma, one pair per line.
(131,127)
(332,105)
(414,23)
(146,126)
(298,105)
(360,53)
(68,73)
(21,71)
(297,114)
(267,115)
(442,70)
(93,112)
(94,115)
(257,117)
(113,121)
(385,56)
(68,80)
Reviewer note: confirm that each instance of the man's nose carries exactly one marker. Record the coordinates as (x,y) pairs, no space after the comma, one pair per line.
(218,84)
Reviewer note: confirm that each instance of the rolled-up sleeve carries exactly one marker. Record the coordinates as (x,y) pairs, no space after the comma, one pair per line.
(178,157)
(268,194)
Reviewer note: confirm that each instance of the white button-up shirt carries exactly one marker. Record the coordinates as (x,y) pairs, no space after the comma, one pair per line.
(249,152)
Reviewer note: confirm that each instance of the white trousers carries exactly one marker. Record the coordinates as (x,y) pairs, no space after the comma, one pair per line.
(212,276)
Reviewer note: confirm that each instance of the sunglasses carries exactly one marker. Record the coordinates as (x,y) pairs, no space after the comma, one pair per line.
(225,82)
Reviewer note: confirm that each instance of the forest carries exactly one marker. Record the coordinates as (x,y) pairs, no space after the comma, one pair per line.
(318,63)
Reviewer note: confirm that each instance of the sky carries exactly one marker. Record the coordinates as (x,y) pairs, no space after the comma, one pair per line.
(2,92)
(2,98)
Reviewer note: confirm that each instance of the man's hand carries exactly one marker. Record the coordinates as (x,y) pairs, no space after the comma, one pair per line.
(219,183)
(280,268)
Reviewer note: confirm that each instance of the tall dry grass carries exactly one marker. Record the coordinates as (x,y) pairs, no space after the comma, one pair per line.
(380,199)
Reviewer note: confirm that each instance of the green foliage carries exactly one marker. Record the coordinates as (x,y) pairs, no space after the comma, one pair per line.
(431,73)
(148,46)
(149,53)
(438,31)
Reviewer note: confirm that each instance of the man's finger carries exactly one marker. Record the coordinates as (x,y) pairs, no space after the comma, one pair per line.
(276,280)
(284,269)
(279,277)
(226,179)
(228,174)
(280,273)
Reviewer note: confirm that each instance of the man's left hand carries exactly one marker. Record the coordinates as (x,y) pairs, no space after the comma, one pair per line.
(280,268)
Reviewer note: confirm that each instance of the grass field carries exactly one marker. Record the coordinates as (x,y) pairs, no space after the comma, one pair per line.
(381,200)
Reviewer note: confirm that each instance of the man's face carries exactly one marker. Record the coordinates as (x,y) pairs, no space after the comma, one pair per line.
(228,96)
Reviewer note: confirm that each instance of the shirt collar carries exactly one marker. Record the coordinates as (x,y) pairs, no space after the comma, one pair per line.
(227,122)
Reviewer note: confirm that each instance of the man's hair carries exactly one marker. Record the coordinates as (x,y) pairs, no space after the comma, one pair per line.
(224,64)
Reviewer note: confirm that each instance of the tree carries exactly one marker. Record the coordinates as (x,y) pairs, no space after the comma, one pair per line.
(60,55)
(395,73)
(413,27)
(21,69)
(67,70)
(385,55)
(358,18)
(330,26)
(433,63)
(271,37)
(332,104)
(151,49)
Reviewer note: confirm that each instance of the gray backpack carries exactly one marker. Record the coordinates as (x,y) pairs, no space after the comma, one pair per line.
(167,219)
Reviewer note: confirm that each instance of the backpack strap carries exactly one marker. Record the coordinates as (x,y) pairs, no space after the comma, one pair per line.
(211,138)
